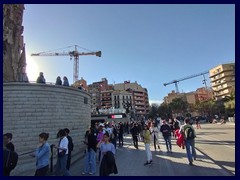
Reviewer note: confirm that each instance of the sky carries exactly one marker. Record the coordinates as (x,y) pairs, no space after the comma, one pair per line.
(151,44)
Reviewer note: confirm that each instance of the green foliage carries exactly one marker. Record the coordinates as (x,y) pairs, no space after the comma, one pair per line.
(164,111)
(178,105)
(153,113)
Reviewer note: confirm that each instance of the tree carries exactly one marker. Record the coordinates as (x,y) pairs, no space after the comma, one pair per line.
(164,111)
(153,113)
(229,104)
(178,105)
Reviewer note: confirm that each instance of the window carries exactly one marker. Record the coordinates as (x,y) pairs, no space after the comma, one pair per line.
(85,100)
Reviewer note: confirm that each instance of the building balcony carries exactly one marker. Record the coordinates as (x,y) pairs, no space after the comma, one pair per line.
(221,88)
(138,94)
(139,107)
(138,99)
(139,103)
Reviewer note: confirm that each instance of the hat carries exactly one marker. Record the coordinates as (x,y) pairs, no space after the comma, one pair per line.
(101,124)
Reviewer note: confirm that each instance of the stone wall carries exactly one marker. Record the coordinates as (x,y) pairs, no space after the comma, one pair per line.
(29,109)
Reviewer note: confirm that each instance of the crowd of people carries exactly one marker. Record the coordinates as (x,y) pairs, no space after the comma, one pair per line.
(101,141)
(41,154)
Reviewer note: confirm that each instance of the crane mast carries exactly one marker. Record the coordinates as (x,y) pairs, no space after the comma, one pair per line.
(73,54)
(185,78)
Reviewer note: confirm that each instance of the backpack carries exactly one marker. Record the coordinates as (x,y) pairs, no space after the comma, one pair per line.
(189,134)
(70,143)
(10,159)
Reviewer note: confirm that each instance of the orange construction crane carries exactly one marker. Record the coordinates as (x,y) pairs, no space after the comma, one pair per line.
(74,54)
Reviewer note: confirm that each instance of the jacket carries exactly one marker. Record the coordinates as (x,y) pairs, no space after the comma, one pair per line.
(108,164)
(180,139)
(42,156)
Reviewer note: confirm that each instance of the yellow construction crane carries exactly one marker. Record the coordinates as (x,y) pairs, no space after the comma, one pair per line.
(75,54)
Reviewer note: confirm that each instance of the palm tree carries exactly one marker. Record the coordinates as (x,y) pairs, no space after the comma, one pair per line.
(229,103)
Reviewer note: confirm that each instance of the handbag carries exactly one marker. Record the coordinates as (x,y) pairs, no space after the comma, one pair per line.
(62,153)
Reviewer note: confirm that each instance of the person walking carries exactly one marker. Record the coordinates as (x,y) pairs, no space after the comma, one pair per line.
(166,132)
(62,153)
(90,154)
(100,138)
(107,155)
(10,157)
(42,155)
(198,126)
(70,148)
(155,136)
(7,141)
(120,134)
(134,132)
(147,142)
(189,138)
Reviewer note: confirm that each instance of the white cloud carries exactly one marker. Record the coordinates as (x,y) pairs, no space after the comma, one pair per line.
(158,102)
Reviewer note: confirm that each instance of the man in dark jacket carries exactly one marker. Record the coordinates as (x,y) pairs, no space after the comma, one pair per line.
(134,132)
(166,132)
(10,157)
(90,153)
(70,148)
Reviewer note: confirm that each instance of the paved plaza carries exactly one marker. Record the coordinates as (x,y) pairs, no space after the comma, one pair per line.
(130,162)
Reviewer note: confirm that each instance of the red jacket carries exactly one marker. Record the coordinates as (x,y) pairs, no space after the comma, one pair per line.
(180,139)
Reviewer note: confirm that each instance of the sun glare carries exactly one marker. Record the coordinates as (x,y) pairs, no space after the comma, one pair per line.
(32,69)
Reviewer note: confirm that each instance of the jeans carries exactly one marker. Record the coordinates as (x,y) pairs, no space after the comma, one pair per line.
(69,159)
(120,140)
(135,141)
(61,168)
(168,142)
(148,151)
(190,148)
(90,161)
(155,141)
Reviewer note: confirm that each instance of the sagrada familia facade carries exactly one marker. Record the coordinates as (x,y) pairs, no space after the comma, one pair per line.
(14,57)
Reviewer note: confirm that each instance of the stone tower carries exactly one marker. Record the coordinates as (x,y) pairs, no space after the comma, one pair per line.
(14,58)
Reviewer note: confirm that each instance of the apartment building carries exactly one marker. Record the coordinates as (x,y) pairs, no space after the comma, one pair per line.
(222,80)
(121,99)
(140,100)
(173,95)
(81,83)
(95,90)
(190,97)
(106,99)
(204,94)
